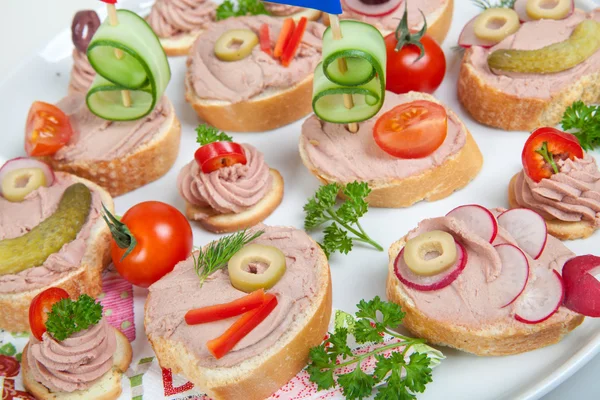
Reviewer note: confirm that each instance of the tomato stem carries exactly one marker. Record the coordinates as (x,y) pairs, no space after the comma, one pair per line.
(548,157)
(120,232)
(405,37)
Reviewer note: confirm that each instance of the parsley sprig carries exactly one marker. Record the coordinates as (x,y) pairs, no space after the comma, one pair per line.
(209,134)
(344,219)
(228,9)
(68,316)
(584,121)
(403,376)
(486,4)
(216,254)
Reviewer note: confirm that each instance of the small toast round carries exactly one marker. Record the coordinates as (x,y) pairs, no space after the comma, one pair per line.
(498,340)
(143,165)
(108,387)
(226,223)
(564,230)
(87,279)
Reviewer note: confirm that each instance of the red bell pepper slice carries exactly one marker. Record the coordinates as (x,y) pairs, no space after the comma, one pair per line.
(264,35)
(292,47)
(226,310)
(216,155)
(242,327)
(287,30)
(109,1)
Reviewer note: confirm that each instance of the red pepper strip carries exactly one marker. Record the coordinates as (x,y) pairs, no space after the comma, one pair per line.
(216,155)
(227,310)
(264,35)
(292,47)
(240,328)
(287,30)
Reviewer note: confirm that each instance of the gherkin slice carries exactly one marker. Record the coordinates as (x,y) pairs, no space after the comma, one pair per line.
(33,248)
(583,43)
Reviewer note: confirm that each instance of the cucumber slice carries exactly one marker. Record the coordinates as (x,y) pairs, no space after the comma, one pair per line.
(363,47)
(144,69)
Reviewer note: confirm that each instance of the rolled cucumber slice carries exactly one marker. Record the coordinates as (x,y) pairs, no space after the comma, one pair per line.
(363,48)
(143,70)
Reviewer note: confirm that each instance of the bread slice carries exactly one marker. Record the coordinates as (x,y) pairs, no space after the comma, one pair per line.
(269,110)
(87,279)
(225,223)
(564,230)
(108,387)
(434,184)
(500,340)
(146,164)
(260,376)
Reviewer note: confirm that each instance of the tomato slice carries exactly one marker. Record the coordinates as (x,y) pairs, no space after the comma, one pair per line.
(544,148)
(40,306)
(412,130)
(48,129)
(216,155)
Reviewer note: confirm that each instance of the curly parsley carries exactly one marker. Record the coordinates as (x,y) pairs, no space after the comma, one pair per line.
(244,7)
(209,134)
(584,121)
(68,317)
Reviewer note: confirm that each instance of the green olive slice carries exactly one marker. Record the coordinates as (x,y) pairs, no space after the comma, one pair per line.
(548,9)
(430,253)
(17,184)
(495,24)
(235,45)
(246,280)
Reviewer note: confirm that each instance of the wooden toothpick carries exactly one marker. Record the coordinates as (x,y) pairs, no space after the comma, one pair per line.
(114,21)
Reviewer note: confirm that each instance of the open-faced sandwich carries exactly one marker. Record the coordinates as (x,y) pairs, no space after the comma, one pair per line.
(252,74)
(560,182)
(51,234)
(228,186)
(524,71)
(84,26)
(287,11)
(239,317)
(489,281)
(73,353)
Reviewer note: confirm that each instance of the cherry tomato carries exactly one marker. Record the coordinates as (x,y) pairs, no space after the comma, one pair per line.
(40,306)
(163,237)
(216,155)
(412,130)
(559,145)
(405,73)
(47,130)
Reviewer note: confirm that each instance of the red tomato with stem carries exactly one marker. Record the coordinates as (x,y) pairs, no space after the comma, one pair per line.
(47,130)
(40,306)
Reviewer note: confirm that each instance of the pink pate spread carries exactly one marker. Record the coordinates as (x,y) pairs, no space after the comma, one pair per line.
(16,219)
(227,190)
(282,10)
(531,36)
(169,18)
(467,301)
(75,363)
(96,139)
(237,81)
(180,291)
(572,195)
(82,74)
(346,157)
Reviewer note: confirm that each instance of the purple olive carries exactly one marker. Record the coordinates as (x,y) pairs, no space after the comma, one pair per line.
(85,24)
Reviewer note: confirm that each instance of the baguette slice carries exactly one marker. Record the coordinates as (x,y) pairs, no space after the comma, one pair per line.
(146,164)
(434,184)
(108,387)
(497,341)
(225,223)
(87,279)
(260,376)
(564,230)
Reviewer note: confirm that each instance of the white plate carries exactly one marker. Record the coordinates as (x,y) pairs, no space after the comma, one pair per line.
(361,274)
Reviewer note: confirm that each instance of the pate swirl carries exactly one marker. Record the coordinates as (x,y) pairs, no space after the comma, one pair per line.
(172,17)
(82,74)
(282,10)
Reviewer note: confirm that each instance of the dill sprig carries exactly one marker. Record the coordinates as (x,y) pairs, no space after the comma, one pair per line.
(486,4)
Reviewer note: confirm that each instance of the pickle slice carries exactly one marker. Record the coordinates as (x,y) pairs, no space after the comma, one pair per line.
(249,280)
(583,43)
(33,248)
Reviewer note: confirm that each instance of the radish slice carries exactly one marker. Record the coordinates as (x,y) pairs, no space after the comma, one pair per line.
(528,228)
(24,162)
(373,10)
(435,282)
(541,298)
(468,38)
(581,276)
(513,277)
(478,219)
(520,8)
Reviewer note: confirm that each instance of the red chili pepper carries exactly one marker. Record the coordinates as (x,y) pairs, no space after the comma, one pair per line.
(216,155)
(226,310)
(242,327)
(287,30)
(292,47)
(264,35)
